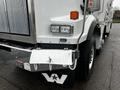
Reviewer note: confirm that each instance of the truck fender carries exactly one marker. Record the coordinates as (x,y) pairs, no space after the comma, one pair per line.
(91,30)
(90,25)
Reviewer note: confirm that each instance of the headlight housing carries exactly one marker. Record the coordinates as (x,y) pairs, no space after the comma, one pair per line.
(63,29)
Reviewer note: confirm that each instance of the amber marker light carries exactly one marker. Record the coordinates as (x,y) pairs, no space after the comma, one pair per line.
(74,15)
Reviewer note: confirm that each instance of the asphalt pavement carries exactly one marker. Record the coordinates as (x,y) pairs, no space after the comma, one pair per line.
(106,75)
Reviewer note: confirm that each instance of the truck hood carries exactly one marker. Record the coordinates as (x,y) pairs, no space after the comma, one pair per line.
(49,12)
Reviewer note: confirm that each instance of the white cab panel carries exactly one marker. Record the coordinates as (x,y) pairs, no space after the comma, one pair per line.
(56,12)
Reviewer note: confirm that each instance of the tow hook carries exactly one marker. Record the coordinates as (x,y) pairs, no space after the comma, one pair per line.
(50,65)
(76,56)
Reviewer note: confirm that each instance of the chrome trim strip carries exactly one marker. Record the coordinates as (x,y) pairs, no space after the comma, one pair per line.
(16,48)
(31,13)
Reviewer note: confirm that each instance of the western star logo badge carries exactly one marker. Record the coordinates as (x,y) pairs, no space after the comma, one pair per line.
(55,78)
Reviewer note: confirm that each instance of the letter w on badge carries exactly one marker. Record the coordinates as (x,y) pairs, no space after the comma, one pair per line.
(54,78)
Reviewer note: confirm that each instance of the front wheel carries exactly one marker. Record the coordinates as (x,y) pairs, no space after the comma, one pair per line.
(87,58)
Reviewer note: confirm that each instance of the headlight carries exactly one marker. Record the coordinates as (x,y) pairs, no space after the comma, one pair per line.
(63,29)
(55,29)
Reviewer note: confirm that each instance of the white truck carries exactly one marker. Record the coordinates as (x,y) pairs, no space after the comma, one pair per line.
(59,34)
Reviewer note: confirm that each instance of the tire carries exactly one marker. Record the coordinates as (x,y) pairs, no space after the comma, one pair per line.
(111,26)
(107,33)
(104,34)
(98,51)
(86,60)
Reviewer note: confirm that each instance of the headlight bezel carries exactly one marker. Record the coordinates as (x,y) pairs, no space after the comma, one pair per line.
(69,29)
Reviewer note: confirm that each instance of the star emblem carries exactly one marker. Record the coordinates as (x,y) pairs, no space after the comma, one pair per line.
(54,77)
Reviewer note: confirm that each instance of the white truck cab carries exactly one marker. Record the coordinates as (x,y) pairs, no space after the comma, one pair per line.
(58,34)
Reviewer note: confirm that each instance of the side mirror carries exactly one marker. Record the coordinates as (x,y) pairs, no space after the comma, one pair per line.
(93,5)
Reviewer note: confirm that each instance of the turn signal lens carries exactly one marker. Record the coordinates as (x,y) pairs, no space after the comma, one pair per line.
(74,15)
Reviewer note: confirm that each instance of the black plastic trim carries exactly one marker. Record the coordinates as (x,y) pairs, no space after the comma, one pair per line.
(91,30)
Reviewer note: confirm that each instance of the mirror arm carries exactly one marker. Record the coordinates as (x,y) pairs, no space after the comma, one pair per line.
(88,10)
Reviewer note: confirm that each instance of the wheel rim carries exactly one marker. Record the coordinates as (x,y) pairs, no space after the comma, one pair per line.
(91,58)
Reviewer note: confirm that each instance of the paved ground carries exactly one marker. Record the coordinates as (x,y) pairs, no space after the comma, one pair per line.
(105,76)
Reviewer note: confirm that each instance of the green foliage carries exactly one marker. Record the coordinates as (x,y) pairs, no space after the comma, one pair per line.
(116,20)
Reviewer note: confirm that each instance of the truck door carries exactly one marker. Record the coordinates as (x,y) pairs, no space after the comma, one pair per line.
(17,16)
(109,12)
(108,16)
(3,18)
(17,21)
